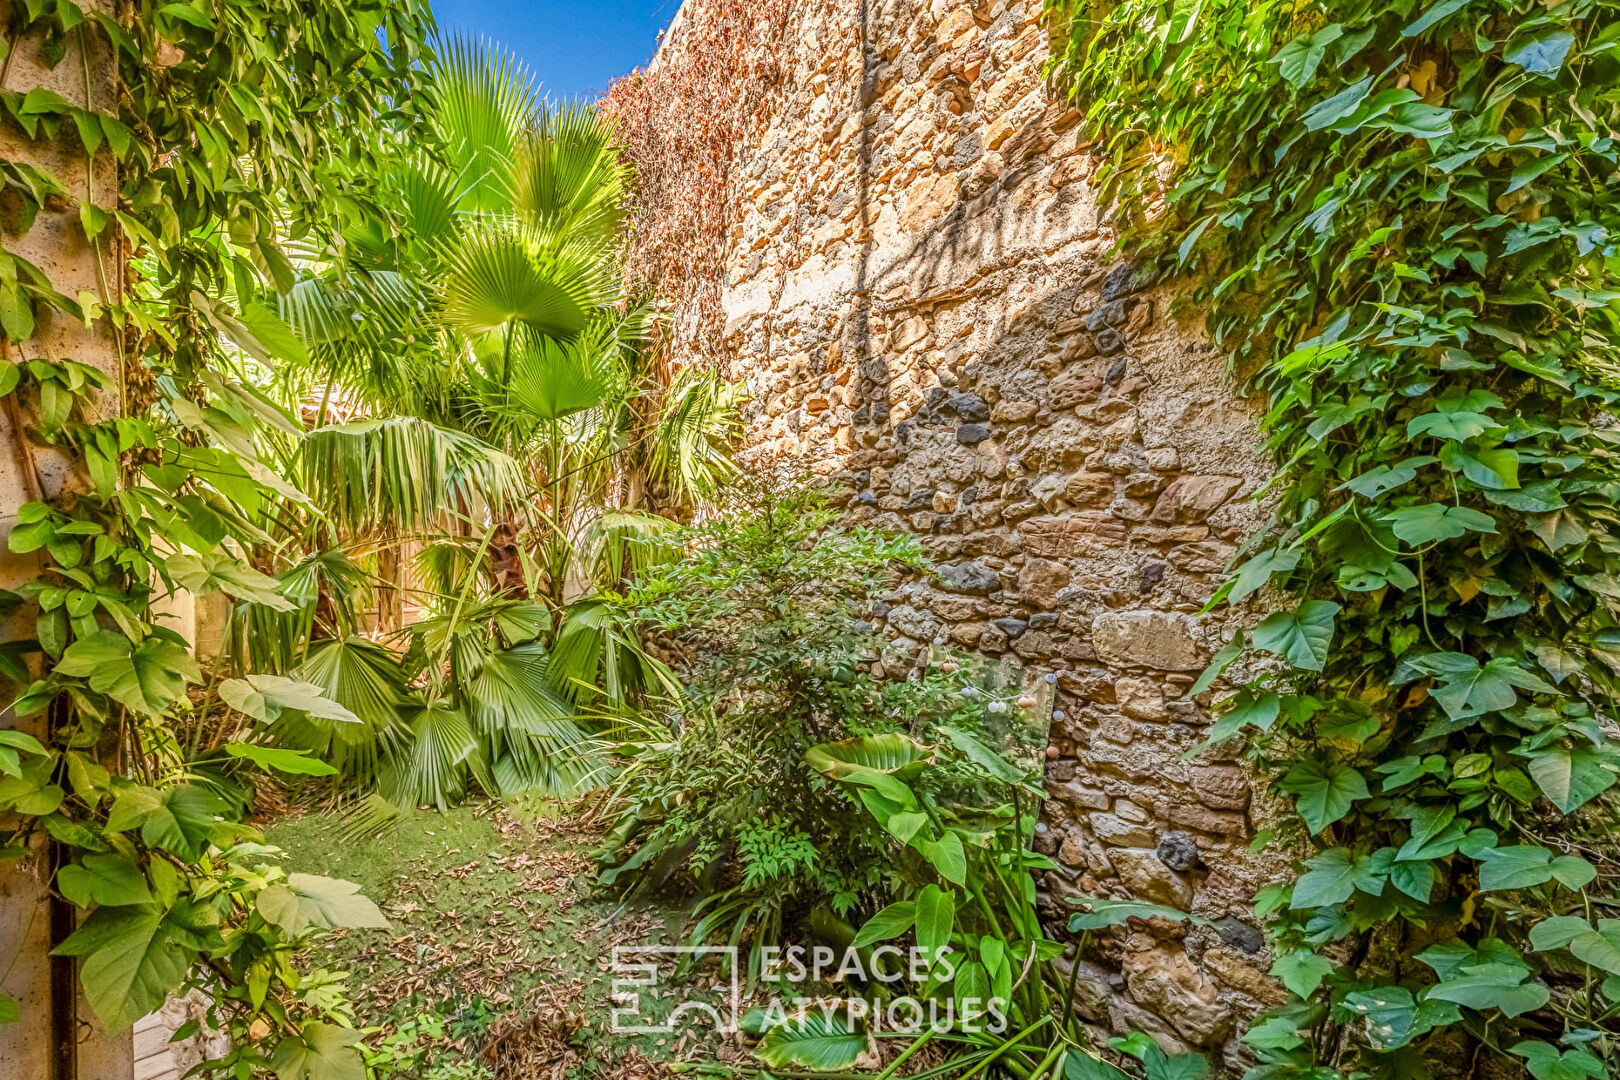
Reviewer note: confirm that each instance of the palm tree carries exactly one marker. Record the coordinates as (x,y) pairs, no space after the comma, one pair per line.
(483,391)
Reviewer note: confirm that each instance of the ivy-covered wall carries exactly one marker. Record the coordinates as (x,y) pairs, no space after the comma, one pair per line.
(30,920)
(921,294)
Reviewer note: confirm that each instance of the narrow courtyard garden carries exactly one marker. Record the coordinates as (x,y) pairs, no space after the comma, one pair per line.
(984,538)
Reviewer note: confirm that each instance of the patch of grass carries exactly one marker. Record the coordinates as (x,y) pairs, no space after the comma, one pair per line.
(499,963)
(312,844)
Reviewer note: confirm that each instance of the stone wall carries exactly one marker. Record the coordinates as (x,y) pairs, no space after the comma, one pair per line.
(923,299)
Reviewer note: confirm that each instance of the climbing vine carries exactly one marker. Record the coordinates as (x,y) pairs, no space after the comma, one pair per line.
(1402,217)
(683,121)
(239,132)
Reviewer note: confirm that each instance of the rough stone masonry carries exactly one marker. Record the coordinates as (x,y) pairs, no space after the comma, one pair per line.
(921,296)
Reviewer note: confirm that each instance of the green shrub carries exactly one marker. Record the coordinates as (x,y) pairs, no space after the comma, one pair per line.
(769,607)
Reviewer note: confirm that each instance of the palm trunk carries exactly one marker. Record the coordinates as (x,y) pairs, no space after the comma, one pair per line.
(390,596)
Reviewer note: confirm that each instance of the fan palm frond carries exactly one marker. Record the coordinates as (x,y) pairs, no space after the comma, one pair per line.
(596,655)
(568,178)
(262,639)
(484,100)
(368,816)
(431,765)
(449,566)
(403,473)
(552,379)
(503,272)
(698,423)
(528,727)
(362,308)
(511,692)
(623,544)
(635,328)
(364,678)
(560,774)
(429,197)
(521,621)
(332,572)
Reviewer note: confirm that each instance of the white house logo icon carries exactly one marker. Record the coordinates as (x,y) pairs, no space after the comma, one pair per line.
(636,972)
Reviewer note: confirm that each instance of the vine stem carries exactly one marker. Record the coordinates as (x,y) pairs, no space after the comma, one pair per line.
(1423,604)
(31,475)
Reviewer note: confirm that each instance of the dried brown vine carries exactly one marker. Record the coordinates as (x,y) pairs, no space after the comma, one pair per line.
(685,122)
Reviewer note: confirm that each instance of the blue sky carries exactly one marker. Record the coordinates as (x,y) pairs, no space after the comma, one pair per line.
(574,47)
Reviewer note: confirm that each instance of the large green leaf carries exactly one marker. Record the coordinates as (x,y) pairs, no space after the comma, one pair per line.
(265,697)
(819,1041)
(1571,777)
(1156,1064)
(33,791)
(1248,709)
(1326,792)
(1419,525)
(1492,986)
(1496,470)
(1336,874)
(1253,575)
(1082,1064)
(1100,913)
(892,753)
(324,903)
(1599,947)
(881,762)
(891,922)
(183,822)
(1546,1062)
(1301,636)
(1302,971)
(13,744)
(1467,689)
(364,678)
(433,769)
(936,917)
(146,678)
(985,758)
(204,574)
(1298,60)
(550,379)
(946,854)
(287,761)
(112,880)
(319,1051)
(483,99)
(1528,865)
(132,962)
(1394,1018)
(132,806)
(1332,109)
(1543,53)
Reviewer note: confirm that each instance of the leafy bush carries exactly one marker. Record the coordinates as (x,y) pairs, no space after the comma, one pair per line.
(967,903)
(768,606)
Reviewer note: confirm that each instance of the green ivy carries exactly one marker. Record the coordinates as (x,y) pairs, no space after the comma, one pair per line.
(1401,217)
(241,127)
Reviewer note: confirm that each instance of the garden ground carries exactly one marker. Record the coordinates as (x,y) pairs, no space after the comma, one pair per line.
(500,952)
